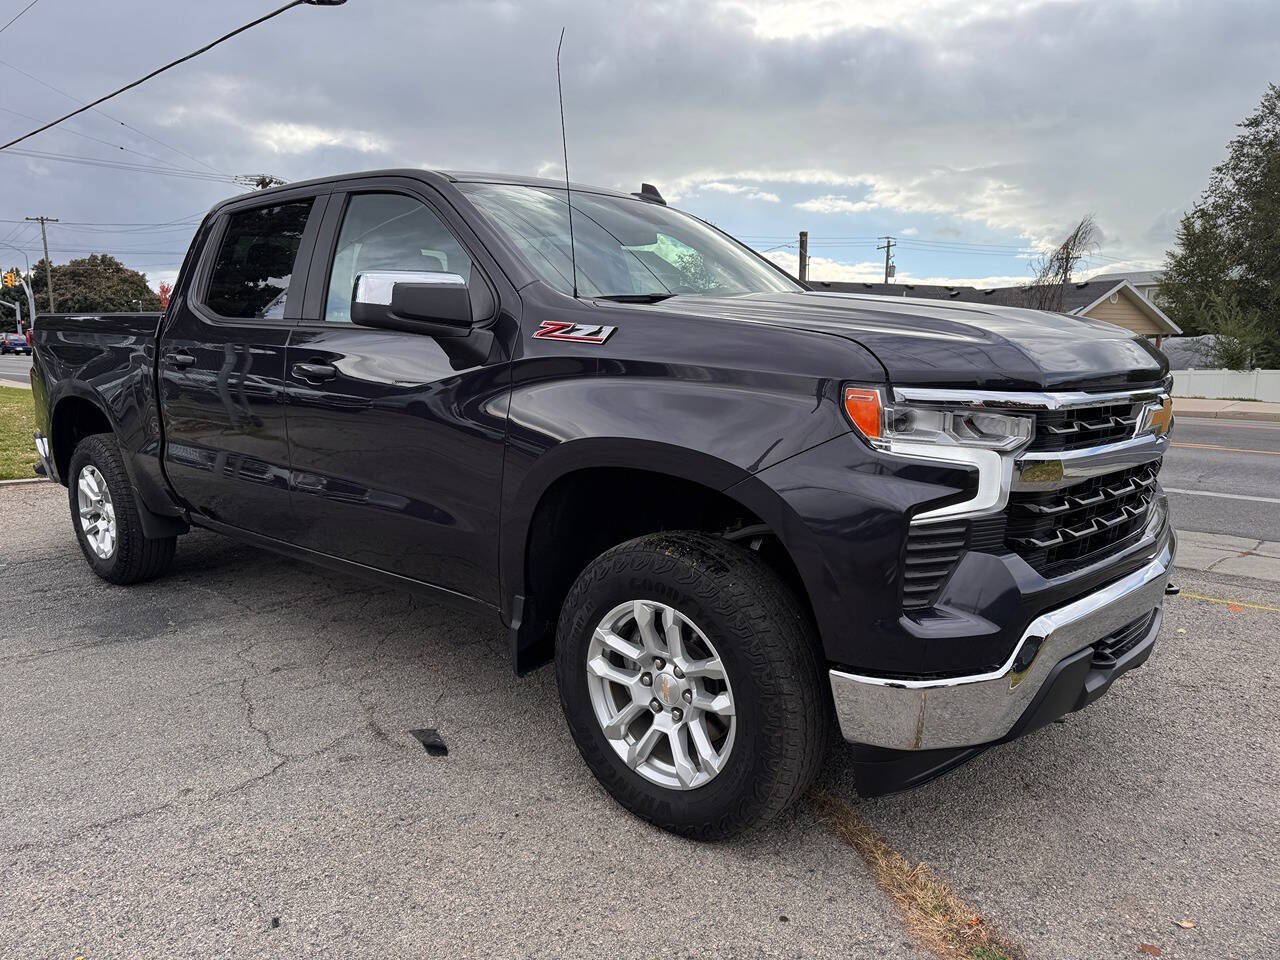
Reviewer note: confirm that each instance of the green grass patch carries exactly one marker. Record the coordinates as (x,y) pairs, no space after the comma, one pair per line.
(17,429)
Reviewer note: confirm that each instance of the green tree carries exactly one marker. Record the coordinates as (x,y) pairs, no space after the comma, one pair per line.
(1225,267)
(1238,338)
(98,283)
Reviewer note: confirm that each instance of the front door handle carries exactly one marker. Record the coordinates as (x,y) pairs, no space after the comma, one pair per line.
(180,359)
(315,372)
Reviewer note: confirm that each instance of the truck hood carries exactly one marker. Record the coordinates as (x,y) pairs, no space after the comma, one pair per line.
(931,343)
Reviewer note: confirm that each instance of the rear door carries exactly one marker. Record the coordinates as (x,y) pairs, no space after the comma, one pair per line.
(397,455)
(222,364)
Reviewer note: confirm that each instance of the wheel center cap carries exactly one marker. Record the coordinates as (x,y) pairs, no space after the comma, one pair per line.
(667,689)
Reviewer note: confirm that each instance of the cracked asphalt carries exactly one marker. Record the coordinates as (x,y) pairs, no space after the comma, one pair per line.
(219,764)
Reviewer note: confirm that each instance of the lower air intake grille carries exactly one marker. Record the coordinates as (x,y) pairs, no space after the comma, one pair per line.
(933,550)
(1110,649)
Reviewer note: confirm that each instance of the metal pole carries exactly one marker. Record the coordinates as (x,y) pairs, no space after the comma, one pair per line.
(48,267)
(31,300)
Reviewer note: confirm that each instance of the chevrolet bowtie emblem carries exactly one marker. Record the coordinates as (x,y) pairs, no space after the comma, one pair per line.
(1160,417)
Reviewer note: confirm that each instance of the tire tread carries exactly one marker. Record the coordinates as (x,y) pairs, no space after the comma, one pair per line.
(138,557)
(784,660)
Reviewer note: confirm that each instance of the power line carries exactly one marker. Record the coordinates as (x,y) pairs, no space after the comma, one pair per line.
(102,113)
(169,66)
(18,14)
(121,223)
(126,165)
(86,136)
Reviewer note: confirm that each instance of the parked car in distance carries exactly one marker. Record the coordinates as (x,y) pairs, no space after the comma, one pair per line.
(15,343)
(732,511)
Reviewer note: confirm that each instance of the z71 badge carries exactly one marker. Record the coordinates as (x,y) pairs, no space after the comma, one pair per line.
(573,332)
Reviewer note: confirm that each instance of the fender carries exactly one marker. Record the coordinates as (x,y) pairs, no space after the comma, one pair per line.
(659,460)
(84,360)
(590,453)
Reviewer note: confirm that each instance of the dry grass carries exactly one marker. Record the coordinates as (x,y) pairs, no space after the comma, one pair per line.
(934,914)
(17,429)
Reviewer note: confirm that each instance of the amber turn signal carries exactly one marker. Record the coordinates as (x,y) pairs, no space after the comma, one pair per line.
(863,408)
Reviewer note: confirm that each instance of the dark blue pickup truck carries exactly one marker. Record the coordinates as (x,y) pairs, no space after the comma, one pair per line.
(736,513)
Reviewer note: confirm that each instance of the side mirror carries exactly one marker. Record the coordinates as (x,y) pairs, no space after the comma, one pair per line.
(437,304)
(431,303)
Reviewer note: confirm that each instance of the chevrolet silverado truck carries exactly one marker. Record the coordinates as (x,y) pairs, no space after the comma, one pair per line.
(734,511)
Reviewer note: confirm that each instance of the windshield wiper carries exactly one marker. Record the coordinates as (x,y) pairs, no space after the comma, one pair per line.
(637,297)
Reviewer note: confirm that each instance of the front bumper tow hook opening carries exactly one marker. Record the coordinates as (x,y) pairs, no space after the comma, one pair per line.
(1171,589)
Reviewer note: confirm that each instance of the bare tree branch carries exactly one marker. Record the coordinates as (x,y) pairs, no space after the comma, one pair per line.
(1053,270)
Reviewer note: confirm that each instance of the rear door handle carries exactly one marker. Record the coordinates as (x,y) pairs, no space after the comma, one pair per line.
(180,359)
(315,372)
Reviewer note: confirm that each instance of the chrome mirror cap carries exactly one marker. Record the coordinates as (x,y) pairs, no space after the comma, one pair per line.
(376,286)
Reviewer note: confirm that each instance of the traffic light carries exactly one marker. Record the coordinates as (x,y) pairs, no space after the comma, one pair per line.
(10,279)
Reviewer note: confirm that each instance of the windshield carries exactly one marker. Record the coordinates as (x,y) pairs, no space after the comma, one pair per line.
(625,248)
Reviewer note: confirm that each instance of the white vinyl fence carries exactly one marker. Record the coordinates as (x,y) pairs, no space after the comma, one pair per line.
(1228,384)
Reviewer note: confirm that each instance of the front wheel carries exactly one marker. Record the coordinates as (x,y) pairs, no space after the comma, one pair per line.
(691,682)
(104,512)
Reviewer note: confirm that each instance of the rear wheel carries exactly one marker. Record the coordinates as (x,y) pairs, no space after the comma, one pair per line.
(691,683)
(104,512)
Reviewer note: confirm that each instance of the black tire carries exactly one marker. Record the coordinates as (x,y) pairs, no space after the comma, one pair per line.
(767,646)
(136,557)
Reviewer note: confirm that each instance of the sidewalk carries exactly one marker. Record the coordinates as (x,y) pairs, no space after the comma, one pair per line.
(1226,409)
(1259,559)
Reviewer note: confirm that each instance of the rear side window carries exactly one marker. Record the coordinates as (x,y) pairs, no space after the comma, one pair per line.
(251,273)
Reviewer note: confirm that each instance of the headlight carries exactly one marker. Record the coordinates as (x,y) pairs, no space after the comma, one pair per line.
(882,423)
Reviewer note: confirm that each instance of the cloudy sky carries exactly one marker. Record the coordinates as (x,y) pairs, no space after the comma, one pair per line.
(974,131)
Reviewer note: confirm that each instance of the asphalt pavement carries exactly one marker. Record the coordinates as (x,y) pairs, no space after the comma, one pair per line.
(220,763)
(15,370)
(1223,476)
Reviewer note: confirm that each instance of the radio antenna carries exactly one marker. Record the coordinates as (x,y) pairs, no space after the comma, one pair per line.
(568,193)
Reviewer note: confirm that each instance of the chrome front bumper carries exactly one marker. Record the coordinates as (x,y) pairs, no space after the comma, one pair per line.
(972,710)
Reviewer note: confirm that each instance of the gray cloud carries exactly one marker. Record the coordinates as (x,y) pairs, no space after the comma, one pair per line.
(1015,120)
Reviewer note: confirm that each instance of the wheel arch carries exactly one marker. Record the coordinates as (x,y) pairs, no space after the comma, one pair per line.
(79,412)
(588,495)
(76,414)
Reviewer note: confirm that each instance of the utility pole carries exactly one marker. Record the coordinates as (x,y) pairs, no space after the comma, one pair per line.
(48,267)
(804,256)
(889,244)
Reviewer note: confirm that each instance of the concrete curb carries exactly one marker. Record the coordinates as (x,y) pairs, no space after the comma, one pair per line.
(14,483)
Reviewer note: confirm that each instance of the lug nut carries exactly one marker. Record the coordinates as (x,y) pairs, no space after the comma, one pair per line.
(679,674)
(655,705)
(646,679)
(658,663)
(688,696)
(677,714)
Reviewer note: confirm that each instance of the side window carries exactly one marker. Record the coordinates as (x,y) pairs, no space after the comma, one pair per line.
(250,277)
(388,231)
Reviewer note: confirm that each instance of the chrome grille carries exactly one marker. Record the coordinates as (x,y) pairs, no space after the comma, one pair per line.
(933,550)
(1063,530)
(1080,427)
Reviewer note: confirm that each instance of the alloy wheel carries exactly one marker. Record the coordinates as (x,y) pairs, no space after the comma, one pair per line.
(661,694)
(97,512)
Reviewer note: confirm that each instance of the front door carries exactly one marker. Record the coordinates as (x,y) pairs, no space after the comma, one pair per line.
(396,455)
(222,366)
